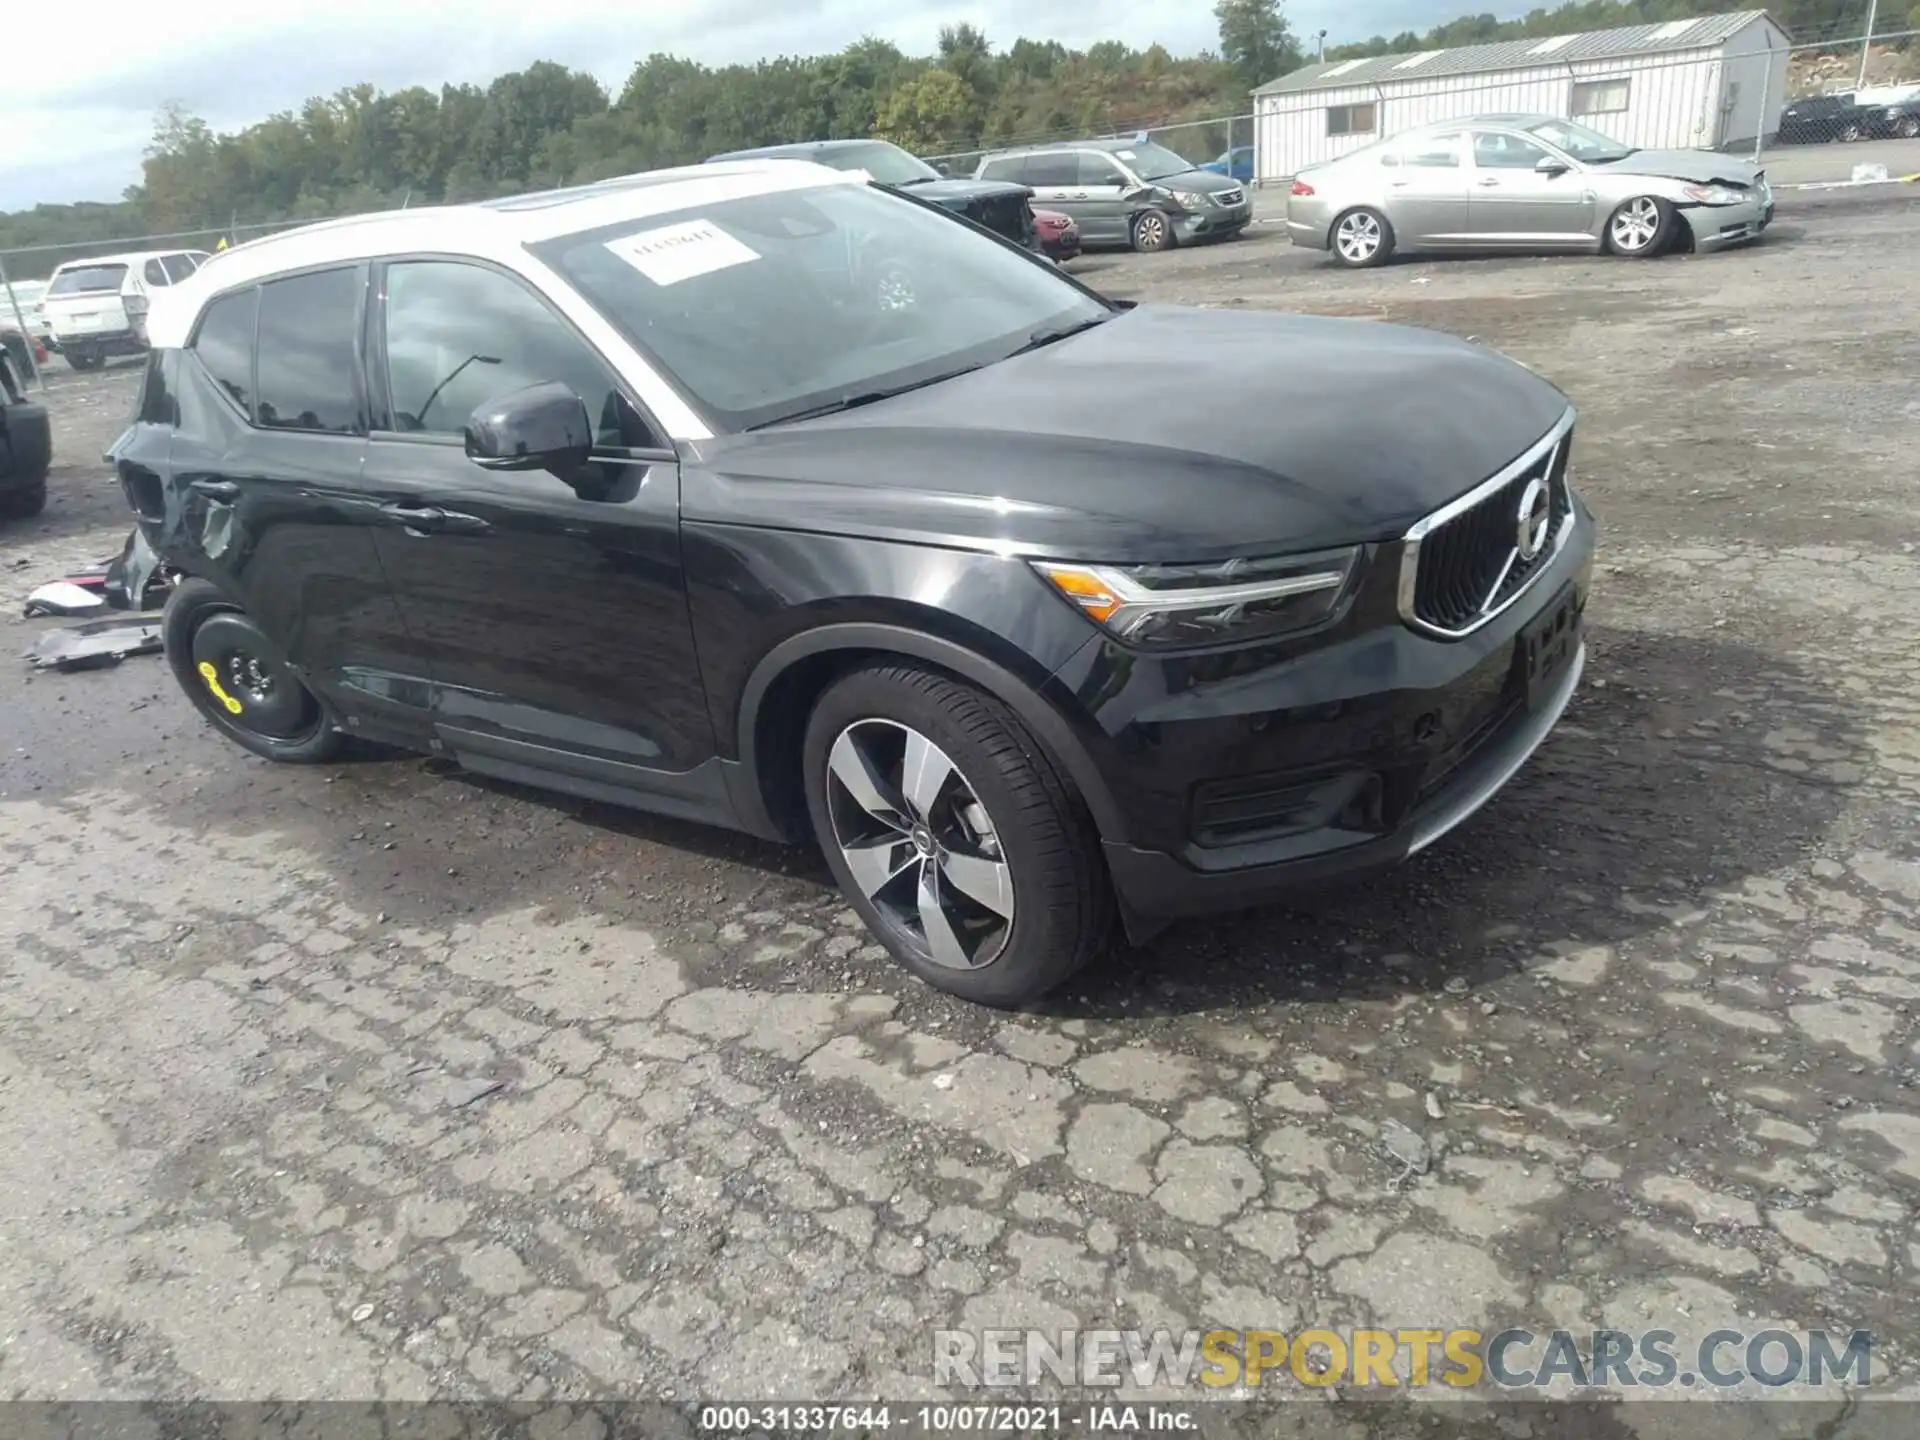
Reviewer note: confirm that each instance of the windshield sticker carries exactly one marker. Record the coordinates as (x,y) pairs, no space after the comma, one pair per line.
(679,252)
(1124,154)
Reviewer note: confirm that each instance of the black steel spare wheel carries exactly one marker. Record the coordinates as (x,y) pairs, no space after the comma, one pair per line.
(236,678)
(232,662)
(959,843)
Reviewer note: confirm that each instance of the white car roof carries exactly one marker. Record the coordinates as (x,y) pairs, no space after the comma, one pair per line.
(498,230)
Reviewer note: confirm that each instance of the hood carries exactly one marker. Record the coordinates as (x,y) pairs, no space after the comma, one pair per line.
(1163,434)
(956,193)
(1700,166)
(1207,182)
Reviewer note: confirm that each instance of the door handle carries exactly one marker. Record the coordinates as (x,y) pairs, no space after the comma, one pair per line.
(215,489)
(432,520)
(1398,184)
(1488,181)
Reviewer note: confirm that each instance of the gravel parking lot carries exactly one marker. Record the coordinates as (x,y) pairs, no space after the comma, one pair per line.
(381,1081)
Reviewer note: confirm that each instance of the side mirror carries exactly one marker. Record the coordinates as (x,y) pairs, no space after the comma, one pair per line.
(1551,167)
(543,427)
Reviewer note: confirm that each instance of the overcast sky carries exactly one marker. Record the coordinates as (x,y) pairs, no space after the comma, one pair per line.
(76,112)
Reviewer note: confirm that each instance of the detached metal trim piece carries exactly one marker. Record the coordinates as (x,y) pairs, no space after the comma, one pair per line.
(1410,542)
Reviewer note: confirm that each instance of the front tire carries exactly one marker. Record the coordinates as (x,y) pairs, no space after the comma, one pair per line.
(1362,239)
(1152,231)
(1641,227)
(951,832)
(237,679)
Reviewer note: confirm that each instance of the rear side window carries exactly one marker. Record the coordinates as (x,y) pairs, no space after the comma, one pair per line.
(1007,167)
(178,267)
(1053,167)
(308,353)
(225,344)
(154,273)
(88,280)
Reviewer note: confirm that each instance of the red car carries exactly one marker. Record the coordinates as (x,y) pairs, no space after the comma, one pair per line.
(1059,235)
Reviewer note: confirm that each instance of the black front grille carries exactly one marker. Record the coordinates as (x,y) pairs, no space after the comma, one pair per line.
(1467,567)
(1230,197)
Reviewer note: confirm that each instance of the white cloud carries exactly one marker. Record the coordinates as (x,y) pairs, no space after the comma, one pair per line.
(76,112)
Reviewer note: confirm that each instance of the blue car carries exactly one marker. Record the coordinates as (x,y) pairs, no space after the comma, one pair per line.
(1235,164)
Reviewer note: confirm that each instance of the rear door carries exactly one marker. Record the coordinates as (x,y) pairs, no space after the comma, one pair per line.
(1054,178)
(1509,202)
(263,490)
(556,612)
(1426,190)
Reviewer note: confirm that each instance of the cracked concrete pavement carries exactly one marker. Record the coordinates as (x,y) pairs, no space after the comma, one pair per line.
(381,1081)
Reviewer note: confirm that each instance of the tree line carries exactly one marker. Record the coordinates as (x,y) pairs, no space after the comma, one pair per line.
(364,149)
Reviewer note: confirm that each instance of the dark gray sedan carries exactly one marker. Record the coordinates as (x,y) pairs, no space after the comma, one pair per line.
(1524,182)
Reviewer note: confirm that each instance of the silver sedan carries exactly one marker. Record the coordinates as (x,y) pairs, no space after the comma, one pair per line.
(1523,182)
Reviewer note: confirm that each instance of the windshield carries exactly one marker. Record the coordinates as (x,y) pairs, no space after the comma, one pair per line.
(1580,142)
(888,164)
(87,280)
(1154,162)
(770,305)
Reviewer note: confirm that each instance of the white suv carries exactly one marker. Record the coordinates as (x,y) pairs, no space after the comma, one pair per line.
(98,307)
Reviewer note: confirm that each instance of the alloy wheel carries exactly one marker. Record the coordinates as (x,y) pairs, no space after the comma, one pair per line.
(919,844)
(1636,224)
(1358,237)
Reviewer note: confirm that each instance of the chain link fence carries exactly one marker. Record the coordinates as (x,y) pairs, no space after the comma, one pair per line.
(1814,112)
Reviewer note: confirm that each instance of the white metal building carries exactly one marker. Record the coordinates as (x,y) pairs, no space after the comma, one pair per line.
(1717,82)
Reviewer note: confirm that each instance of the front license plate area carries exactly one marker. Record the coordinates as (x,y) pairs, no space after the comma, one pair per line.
(1546,646)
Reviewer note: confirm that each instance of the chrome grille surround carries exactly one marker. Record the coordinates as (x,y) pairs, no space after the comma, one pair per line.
(1546,457)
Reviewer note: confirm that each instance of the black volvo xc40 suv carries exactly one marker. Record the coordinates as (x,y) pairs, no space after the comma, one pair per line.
(757,494)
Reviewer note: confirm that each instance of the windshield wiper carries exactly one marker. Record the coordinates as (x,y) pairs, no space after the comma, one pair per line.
(1048,335)
(864,397)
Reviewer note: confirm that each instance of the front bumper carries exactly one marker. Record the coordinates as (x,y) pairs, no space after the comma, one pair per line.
(1717,226)
(1214,221)
(1405,736)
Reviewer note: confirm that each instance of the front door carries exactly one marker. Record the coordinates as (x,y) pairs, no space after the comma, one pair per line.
(1511,202)
(1101,195)
(1427,191)
(554,610)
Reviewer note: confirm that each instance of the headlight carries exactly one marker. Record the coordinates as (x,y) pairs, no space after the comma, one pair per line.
(1189,199)
(1716,194)
(1172,607)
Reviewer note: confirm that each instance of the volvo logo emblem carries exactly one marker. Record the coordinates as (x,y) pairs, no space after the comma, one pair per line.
(1536,514)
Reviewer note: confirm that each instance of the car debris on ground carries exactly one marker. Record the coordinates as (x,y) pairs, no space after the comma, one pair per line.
(134,581)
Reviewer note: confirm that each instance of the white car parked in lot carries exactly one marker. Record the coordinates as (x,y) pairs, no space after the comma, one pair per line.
(98,307)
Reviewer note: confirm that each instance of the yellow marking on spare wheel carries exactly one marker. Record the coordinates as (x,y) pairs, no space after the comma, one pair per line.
(208,674)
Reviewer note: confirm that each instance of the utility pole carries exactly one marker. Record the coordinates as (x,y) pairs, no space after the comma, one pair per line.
(1321,54)
(1866,44)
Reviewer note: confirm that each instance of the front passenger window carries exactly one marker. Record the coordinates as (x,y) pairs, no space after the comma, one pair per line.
(1506,152)
(459,335)
(1099,170)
